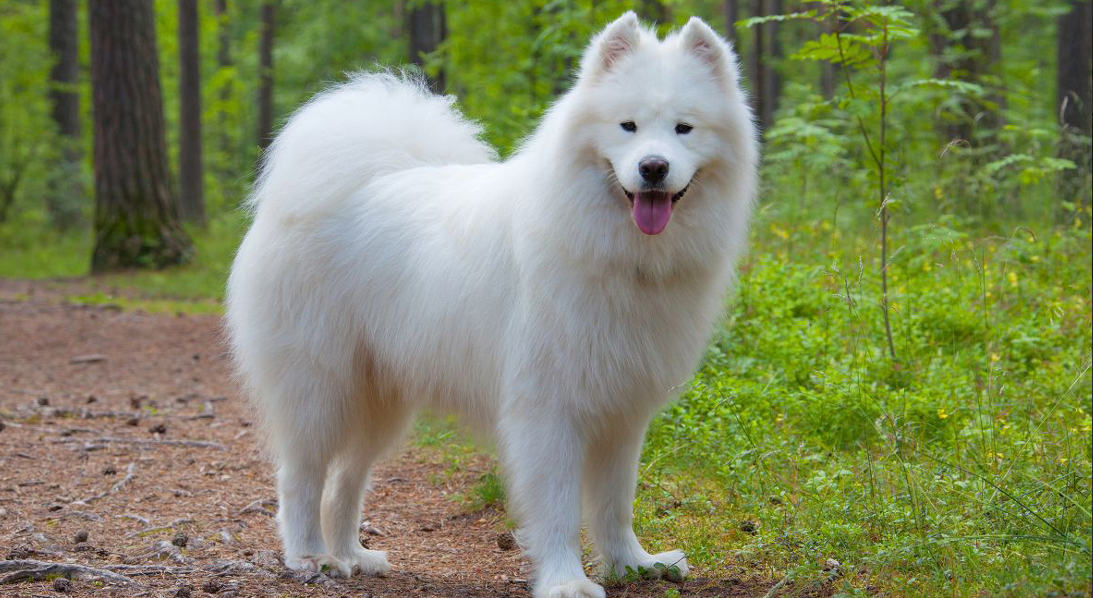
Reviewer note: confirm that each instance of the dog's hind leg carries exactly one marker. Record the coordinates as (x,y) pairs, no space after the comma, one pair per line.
(378,428)
(308,427)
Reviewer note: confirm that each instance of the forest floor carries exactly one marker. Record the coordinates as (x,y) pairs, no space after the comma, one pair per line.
(125,447)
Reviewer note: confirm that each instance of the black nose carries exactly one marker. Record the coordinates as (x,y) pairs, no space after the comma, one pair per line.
(653,169)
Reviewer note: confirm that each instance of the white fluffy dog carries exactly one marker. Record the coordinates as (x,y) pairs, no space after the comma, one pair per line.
(555,299)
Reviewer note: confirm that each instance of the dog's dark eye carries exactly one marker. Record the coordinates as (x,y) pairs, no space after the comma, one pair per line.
(683,128)
(629,126)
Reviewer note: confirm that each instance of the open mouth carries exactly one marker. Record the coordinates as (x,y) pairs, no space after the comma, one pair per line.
(675,198)
(652,209)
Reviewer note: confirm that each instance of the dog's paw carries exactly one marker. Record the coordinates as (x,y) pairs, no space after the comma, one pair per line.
(670,565)
(319,564)
(577,588)
(367,562)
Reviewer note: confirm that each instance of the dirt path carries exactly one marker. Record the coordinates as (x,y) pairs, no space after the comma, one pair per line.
(126,447)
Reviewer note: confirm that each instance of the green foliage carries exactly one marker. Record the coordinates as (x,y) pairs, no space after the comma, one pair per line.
(28,138)
(488,492)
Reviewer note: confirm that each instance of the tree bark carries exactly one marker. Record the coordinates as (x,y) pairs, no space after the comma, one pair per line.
(1074,102)
(827,70)
(772,79)
(731,10)
(756,64)
(66,195)
(190,167)
(766,48)
(963,54)
(265,67)
(225,162)
(428,29)
(136,217)
(654,12)
(1074,88)
(64,44)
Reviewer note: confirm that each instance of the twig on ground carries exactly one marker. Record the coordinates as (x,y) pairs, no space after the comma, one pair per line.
(160,528)
(151,569)
(143,520)
(31,570)
(94,358)
(85,515)
(259,506)
(778,586)
(118,414)
(368,528)
(44,429)
(226,568)
(118,486)
(143,442)
(163,550)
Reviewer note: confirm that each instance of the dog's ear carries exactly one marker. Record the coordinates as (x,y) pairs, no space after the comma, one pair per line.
(617,40)
(699,39)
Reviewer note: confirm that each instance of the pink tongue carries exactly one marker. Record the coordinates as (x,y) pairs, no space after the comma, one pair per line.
(652,210)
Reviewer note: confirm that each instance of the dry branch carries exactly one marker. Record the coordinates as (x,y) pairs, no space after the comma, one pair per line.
(161,528)
(143,442)
(95,358)
(164,550)
(151,569)
(143,520)
(31,570)
(259,506)
(773,591)
(118,486)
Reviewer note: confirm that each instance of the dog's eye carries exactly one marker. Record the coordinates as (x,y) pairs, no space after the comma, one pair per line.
(683,128)
(629,126)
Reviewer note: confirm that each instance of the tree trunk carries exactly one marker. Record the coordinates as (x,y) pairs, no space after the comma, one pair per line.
(653,12)
(766,48)
(428,29)
(1074,94)
(265,68)
(190,168)
(963,53)
(225,161)
(66,195)
(772,79)
(827,70)
(731,10)
(136,217)
(1074,102)
(756,68)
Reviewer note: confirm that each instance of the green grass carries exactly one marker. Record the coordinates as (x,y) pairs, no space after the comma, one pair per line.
(30,249)
(961,469)
(149,304)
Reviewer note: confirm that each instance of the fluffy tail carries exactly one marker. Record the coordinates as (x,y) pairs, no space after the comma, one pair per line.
(346,136)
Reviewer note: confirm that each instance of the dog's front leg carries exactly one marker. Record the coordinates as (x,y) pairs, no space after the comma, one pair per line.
(610,480)
(543,455)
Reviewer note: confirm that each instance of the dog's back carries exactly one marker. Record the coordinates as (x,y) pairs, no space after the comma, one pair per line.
(345,137)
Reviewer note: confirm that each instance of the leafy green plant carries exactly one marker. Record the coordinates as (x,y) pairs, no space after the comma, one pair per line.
(862,39)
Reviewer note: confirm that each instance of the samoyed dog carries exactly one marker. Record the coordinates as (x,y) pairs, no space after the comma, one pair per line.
(555,300)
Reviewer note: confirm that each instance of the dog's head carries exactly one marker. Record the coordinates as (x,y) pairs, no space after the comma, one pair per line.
(660,113)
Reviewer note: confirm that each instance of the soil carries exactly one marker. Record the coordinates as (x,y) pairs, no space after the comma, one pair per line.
(125,446)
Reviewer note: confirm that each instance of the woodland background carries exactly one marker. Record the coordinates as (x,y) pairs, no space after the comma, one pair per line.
(902,384)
